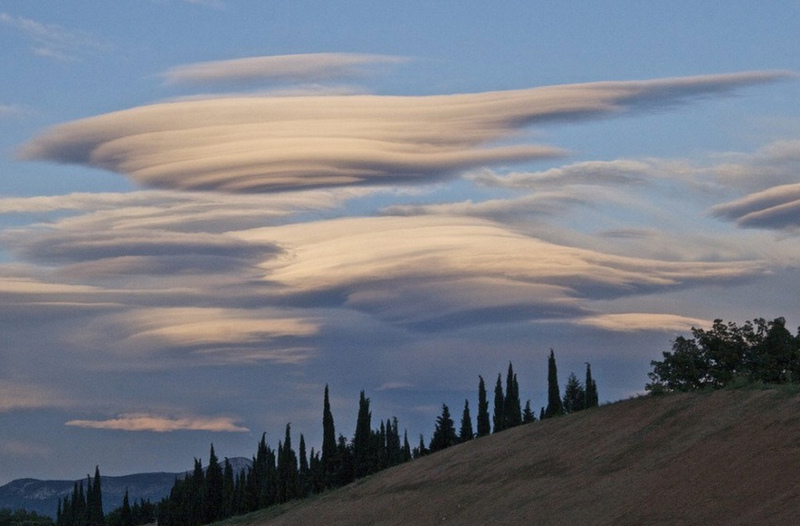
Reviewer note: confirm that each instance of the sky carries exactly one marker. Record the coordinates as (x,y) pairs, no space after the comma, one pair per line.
(210,209)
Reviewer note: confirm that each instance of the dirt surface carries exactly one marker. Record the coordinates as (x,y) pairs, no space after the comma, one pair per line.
(729,457)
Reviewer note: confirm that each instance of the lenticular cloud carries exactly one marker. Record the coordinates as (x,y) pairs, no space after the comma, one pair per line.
(270,143)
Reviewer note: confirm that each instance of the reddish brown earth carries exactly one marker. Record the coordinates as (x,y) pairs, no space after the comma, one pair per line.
(728,457)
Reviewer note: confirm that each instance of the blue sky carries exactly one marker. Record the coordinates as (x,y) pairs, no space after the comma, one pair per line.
(211,209)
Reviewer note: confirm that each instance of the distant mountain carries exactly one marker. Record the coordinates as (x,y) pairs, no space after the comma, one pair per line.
(42,496)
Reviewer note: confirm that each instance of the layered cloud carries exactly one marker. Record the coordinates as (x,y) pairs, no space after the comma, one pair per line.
(463,270)
(264,143)
(775,208)
(312,67)
(162,424)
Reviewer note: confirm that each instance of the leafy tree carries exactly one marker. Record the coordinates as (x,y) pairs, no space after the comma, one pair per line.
(499,405)
(483,410)
(554,406)
(776,355)
(760,351)
(466,433)
(444,435)
(574,395)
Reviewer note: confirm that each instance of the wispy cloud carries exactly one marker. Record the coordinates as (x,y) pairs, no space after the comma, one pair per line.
(263,144)
(7,110)
(28,450)
(162,424)
(598,173)
(15,395)
(215,4)
(302,68)
(54,41)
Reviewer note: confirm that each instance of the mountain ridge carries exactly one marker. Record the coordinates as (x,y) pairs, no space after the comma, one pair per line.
(42,496)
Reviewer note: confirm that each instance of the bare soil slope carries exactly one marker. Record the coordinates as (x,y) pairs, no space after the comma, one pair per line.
(729,457)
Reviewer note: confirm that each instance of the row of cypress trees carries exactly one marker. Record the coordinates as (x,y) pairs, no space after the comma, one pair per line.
(277,476)
(507,408)
(82,508)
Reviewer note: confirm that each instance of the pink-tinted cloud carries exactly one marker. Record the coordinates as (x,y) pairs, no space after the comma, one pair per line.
(162,424)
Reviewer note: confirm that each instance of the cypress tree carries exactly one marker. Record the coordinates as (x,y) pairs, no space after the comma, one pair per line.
(94,500)
(125,516)
(483,409)
(420,450)
(287,469)
(574,395)
(527,414)
(194,495)
(362,438)
(329,460)
(591,389)
(512,409)
(444,435)
(228,490)
(554,406)
(304,472)
(347,471)
(394,449)
(213,489)
(466,433)
(79,505)
(99,516)
(499,405)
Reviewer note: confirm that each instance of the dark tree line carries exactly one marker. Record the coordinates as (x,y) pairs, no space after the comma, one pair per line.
(82,508)
(286,474)
(140,513)
(279,476)
(508,412)
(758,351)
(214,493)
(23,518)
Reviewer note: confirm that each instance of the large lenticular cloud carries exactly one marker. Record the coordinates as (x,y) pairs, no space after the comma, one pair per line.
(269,143)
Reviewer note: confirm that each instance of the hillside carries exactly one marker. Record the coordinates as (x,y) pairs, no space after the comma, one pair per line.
(728,457)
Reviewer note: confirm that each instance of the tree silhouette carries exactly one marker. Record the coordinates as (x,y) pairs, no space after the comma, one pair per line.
(483,410)
(554,406)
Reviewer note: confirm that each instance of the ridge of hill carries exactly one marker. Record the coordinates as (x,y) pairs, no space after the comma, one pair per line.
(42,496)
(725,457)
